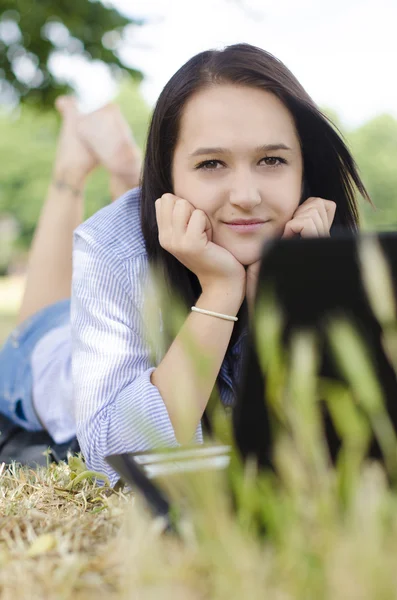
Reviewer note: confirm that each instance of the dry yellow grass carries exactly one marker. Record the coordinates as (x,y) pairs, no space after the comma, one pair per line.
(54,543)
(330,533)
(94,543)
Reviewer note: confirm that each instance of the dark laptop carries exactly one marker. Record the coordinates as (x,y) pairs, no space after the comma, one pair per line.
(313,280)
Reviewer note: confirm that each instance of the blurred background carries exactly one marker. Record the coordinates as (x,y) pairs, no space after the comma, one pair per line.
(344,53)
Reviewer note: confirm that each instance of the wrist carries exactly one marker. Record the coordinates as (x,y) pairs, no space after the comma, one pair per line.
(221,299)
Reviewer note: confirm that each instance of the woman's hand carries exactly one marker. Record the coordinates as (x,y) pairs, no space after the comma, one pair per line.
(313,218)
(186,233)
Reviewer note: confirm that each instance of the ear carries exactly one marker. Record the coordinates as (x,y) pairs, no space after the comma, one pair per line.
(305,191)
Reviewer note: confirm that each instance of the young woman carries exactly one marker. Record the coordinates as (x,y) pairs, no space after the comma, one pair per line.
(237,152)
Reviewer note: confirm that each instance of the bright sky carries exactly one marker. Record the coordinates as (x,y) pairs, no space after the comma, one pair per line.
(344,52)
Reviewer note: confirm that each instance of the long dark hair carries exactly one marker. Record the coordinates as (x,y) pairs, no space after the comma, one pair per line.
(329,169)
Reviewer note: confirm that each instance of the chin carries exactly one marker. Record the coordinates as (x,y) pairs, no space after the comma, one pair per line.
(246,253)
(248,258)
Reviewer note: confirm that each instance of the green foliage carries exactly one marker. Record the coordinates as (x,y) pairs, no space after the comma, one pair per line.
(374,146)
(32,31)
(28,142)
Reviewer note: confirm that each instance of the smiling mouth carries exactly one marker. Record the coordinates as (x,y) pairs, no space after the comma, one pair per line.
(248,227)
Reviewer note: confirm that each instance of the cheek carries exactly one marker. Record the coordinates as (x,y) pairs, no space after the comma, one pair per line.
(201,196)
(284,204)
(287,210)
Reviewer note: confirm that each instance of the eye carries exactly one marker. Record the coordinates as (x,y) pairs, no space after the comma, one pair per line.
(275,161)
(209,165)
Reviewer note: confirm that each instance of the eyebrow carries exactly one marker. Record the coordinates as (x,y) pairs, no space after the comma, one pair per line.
(264,148)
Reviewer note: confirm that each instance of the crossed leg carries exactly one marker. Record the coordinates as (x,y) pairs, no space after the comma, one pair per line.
(84,142)
(49,272)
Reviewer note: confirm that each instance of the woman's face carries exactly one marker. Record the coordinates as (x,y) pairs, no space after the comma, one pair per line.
(238,157)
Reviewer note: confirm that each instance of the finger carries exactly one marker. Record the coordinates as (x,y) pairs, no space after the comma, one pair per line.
(330,207)
(167,202)
(318,217)
(327,209)
(199,225)
(164,209)
(180,217)
(309,229)
(315,204)
(305,227)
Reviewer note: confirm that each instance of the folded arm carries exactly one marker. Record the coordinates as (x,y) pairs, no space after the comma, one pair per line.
(117,408)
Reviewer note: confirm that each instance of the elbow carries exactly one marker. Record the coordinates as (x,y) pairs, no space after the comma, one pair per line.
(184,436)
(94,452)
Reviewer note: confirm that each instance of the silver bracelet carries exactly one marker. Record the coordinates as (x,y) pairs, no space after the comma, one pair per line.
(214,314)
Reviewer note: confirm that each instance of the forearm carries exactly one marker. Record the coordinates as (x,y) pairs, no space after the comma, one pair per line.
(187,374)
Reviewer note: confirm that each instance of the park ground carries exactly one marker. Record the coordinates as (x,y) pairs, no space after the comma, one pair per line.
(64,537)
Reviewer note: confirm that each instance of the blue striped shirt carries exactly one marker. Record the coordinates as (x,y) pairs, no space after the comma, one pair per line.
(117,408)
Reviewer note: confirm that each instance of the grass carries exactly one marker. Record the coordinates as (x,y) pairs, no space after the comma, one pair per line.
(55,543)
(95,543)
(309,531)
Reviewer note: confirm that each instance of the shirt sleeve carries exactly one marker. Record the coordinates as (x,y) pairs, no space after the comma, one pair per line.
(117,408)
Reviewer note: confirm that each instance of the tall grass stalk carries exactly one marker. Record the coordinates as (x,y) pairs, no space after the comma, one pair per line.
(310,529)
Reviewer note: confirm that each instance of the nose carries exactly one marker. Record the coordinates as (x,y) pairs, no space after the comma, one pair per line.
(244,192)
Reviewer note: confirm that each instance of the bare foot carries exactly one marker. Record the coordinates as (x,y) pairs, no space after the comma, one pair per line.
(73,158)
(108,135)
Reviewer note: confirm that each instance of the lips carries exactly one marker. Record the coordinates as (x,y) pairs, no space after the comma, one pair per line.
(245,222)
(242,226)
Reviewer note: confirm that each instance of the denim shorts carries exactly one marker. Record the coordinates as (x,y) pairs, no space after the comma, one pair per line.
(16,398)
